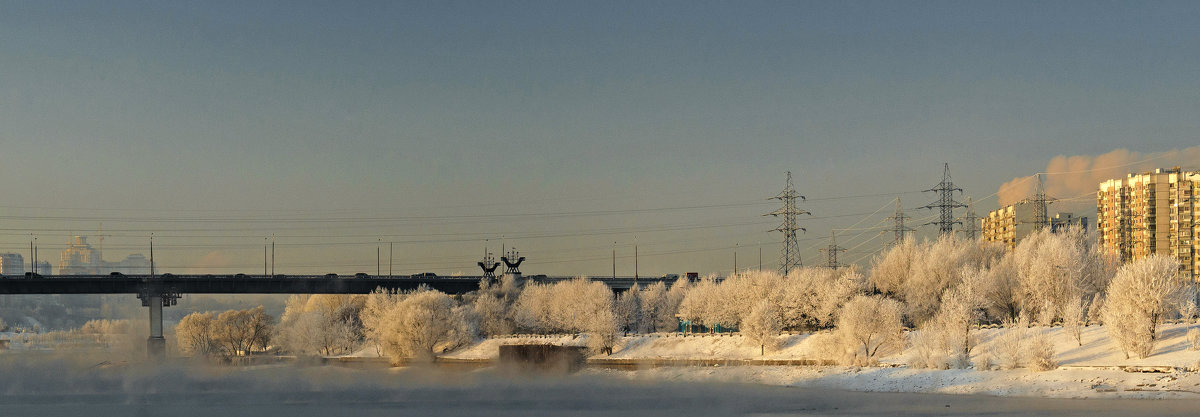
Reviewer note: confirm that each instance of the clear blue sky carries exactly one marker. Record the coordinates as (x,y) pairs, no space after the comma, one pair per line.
(337,125)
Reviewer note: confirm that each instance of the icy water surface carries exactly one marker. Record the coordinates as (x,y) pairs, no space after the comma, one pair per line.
(72,388)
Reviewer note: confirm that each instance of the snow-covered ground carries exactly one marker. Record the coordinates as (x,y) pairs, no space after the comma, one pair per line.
(1097,349)
(1093,370)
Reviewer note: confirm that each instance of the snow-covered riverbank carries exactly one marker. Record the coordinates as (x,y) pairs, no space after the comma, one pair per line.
(1097,369)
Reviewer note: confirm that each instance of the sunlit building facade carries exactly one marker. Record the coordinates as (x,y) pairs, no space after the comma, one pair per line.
(1010,224)
(1151,213)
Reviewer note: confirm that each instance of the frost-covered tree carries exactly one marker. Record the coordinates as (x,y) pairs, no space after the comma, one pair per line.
(946,339)
(871,327)
(762,326)
(194,334)
(1002,296)
(919,274)
(374,314)
(1074,316)
(1054,269)
(419,323)
(1094,309)
(892,269)
(628,310)
(240,332)
(492,306)
(572,306)
(1142,294)
(321,324)
(809,298)
(101,327)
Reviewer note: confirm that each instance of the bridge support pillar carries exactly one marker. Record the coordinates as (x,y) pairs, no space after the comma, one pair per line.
(156,345)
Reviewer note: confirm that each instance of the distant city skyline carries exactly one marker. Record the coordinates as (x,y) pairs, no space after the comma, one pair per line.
(565,129)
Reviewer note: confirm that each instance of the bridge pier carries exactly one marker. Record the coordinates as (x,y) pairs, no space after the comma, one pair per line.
(155,296)
(156,345)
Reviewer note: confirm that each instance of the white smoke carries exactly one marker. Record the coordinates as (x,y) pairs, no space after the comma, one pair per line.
(1074,179)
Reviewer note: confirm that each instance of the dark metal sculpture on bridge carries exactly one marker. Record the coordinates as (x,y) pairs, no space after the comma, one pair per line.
(512,261)
(489,265)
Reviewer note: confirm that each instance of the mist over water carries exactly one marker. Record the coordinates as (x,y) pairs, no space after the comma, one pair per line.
(88,385)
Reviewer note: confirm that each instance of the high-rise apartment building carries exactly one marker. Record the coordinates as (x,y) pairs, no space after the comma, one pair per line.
(1011,224)
(12,264)
(1151,213)
(80,258)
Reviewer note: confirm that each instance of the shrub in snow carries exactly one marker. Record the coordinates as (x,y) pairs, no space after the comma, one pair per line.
(982,361)
(628,310)
(946,339)
(870,328)
(1041,353)
(1193,336)
(761,326)
(1074,316)
(1093,311)
(928,350)
(1139,298)
(1008,348)
(828,346)
(1187,302)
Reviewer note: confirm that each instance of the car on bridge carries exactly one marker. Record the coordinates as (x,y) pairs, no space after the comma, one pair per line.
(331,276)
(425,275)
(361,275)
(241,276)
(115,274)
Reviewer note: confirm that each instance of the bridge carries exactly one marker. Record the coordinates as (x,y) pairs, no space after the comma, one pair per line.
(158,291)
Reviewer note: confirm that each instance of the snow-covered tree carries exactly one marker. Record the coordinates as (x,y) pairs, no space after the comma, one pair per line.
(629,310)
(1054,269)
(762,326)
(1002,296)
(239,332)
(809,298)
(573,306)
(871,327)
(419,323)
(1142,294)
(1094,309)
(195,334)
(892,269)
(1074,316)
(321,324)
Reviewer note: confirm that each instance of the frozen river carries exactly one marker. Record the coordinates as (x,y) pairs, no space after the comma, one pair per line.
(326,391)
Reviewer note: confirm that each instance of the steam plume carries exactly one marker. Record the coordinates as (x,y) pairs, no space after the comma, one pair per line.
(1072,178)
